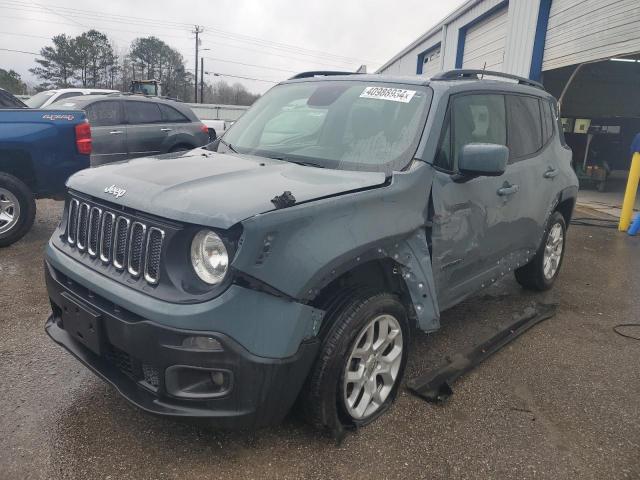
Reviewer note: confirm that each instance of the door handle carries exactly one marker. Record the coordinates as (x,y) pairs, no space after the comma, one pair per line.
(165,129)
(115,132)
(508,190)
(552,172)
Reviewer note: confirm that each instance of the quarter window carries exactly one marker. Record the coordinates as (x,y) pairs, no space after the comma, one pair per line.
(547,120)
(170,114)
(525,126)
(101,114)
(143,112)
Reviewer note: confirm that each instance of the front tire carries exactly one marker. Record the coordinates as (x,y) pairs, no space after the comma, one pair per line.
(361,362)
(541,272)
(17,209)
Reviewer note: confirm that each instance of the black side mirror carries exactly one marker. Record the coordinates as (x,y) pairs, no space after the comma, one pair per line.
(483,160)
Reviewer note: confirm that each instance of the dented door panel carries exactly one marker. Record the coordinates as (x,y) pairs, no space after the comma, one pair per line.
(471,233)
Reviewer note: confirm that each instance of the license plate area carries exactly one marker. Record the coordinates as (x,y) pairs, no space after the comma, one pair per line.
(82,323)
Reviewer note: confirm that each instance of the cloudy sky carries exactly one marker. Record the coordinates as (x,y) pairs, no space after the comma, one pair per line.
(264,40)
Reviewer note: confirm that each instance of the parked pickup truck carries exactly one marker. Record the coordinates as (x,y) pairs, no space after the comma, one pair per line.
(39,150)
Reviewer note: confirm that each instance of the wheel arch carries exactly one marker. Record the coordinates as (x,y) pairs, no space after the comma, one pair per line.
(19,164)
(378,275)
(402,267)
(565,206)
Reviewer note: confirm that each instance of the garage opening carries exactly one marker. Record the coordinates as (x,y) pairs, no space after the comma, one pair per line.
(600,111)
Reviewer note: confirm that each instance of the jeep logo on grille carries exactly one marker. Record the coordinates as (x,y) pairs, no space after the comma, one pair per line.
(115,191)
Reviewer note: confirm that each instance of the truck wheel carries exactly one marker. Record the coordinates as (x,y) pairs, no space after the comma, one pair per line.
(361,362)
(542,270)
(17,209)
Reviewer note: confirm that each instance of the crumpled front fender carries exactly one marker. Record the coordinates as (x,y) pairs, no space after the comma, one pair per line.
(301,249)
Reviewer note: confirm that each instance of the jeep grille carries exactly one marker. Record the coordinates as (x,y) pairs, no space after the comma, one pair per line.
(116,239)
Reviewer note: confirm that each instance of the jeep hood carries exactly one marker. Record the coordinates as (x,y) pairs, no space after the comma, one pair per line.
(213,189)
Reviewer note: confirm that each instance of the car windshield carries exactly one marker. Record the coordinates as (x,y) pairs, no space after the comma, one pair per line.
(349,125)
(39,98)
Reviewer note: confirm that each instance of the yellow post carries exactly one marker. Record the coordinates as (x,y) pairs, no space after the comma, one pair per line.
(630,193)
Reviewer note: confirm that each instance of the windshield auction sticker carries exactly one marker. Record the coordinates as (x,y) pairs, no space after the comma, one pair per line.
(384,93)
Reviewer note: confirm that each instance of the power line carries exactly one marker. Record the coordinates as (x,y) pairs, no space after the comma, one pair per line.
(100,16)
(182,37)
(239,76)
(218,74)
(266,67)
(19,51)
(252,65)
(30,9)
(25,35)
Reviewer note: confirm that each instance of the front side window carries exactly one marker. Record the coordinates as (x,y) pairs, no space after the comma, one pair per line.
(350,125)
(102,114)
(142,112)
(475,118)
(525,126)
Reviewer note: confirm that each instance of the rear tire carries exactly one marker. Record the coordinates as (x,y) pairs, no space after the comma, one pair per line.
(541,272)
(17,209)
(360,364)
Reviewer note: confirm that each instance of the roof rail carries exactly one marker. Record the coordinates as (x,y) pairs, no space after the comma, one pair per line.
(320,73)
(462,74)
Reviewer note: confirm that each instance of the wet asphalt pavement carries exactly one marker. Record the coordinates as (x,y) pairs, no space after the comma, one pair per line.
(562,401)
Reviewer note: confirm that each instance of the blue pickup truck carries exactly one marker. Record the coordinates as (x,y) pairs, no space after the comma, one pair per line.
(39,150)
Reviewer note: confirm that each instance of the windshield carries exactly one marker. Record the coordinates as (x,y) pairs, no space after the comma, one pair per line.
(349,125)
(39,98)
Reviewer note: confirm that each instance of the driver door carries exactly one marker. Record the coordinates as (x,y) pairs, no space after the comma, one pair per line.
(471,219)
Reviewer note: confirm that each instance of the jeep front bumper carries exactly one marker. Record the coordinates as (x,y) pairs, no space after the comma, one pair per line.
(149,364)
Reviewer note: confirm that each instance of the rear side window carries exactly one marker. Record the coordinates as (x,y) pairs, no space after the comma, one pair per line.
(142,112)
(472,119)
(525,126)
(170,114)
(101,114)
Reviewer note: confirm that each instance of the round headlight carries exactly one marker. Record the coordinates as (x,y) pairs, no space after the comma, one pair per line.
(209,257)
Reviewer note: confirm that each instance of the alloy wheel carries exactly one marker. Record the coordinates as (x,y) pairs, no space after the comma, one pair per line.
(553,251)
(373,366)
(9,210)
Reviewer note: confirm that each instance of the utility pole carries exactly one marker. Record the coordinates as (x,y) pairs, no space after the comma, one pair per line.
(197,30)
(201,79)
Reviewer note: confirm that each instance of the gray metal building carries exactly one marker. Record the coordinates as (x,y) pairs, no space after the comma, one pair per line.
(586,52)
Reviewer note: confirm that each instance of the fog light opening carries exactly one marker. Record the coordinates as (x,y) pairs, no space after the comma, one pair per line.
(208,344)
(196,382)
(218,378)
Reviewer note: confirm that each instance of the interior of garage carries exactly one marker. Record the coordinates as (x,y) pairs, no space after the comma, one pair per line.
(600,110)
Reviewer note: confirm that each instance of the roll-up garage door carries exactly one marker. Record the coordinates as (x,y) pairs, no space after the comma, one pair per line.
(484,43)
(431,64)
(590,30)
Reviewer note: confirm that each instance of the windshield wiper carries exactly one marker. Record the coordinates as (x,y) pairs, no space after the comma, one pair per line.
(299,162)
(307,164)
(228,145)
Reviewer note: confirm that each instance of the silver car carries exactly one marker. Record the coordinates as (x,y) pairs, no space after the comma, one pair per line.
(130,126)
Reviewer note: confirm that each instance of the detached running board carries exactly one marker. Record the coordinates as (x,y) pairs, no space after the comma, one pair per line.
(436,385)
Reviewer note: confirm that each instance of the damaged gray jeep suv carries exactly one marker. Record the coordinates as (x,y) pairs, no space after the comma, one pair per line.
(292,258)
